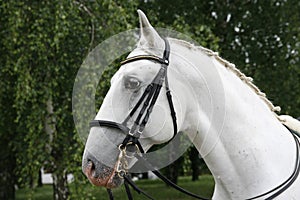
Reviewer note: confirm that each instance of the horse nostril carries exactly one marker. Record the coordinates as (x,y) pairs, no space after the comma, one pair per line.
(90,164)
(89,169)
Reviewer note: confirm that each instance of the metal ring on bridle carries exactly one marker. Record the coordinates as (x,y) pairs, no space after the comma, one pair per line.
(121,173)
(124,149)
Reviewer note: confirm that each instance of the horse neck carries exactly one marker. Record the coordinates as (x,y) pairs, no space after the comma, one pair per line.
(242,147)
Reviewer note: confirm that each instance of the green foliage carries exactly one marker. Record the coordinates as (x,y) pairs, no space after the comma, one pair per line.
(43,44)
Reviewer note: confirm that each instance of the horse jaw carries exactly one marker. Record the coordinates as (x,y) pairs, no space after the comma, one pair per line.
(149,38)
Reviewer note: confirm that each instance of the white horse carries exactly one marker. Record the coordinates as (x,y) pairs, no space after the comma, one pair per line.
(231,123)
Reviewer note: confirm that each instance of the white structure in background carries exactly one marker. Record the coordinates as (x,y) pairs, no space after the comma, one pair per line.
(47,178)
(152,176)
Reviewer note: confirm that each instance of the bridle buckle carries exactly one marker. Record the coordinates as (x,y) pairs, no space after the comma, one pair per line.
(122,162)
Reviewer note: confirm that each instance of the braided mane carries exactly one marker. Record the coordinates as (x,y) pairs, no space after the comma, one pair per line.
(230,66)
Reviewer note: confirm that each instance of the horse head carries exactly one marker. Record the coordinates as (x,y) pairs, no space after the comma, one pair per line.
(132,106)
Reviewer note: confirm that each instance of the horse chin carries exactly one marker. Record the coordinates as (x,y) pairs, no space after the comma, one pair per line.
(102,176)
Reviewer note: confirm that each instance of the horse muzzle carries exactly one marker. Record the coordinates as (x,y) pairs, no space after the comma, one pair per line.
(100,174)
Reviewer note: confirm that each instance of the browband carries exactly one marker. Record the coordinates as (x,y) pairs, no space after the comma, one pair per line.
(146,57)
(164,60)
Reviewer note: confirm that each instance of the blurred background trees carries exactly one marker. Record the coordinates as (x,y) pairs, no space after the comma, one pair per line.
(43,43)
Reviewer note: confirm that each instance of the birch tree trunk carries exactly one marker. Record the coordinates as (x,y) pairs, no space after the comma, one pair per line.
(60,185)
(59,174)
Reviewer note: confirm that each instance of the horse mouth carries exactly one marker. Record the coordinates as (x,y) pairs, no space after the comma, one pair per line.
(102,175)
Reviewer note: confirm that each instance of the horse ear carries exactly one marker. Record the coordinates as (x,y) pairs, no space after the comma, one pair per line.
(149,37)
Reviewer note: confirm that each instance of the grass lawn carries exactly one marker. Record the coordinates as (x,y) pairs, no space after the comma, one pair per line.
(155,188)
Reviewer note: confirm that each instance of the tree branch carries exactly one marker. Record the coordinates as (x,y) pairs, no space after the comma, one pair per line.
(88,11)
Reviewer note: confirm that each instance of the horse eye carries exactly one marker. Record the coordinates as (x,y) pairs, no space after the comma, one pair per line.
(132,83)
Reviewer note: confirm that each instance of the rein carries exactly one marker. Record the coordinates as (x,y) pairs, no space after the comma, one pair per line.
(291,179)
(131,142)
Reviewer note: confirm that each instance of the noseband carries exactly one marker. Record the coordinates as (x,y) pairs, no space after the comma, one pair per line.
(145,103)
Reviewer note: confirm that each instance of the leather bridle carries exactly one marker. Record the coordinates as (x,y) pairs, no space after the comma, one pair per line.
(146,103)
